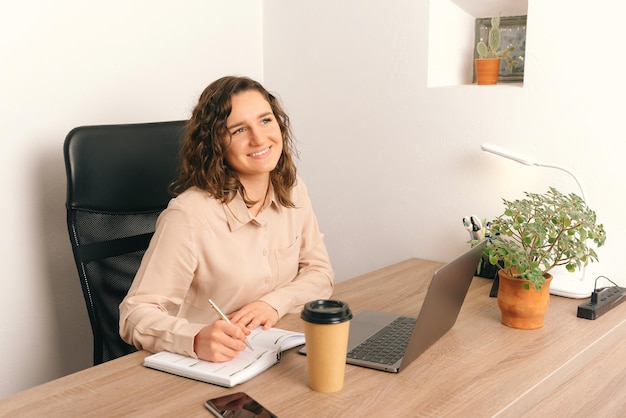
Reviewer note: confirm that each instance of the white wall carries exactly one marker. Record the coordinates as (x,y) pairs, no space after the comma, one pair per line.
(394,165)
(68,63)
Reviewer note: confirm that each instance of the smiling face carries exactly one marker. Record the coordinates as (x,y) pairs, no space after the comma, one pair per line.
(255,143)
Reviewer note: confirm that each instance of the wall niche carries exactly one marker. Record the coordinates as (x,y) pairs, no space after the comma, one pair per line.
(451,38)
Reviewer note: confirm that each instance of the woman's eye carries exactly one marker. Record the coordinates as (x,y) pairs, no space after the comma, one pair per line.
(266,121)
(237,131)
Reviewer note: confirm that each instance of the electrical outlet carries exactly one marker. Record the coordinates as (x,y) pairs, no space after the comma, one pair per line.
(607,299)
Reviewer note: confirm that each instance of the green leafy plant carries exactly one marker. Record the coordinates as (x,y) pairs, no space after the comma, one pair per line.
(542,231)
(491,49)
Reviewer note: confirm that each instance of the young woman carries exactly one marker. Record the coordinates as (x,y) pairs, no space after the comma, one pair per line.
(240,231)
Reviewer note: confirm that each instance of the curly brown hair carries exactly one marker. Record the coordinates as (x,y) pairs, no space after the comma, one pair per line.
(202,154)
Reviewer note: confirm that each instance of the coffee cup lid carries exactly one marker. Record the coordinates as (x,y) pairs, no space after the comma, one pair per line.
(326,311)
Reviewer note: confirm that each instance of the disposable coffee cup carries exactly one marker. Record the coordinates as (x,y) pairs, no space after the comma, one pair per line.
(326,329)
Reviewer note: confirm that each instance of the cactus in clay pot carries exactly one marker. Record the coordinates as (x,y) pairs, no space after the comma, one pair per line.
(491,49)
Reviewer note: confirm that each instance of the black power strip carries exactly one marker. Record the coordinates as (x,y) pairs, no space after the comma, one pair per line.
(602,302)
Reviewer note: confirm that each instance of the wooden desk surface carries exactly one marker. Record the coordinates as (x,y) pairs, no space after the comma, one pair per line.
(570,367)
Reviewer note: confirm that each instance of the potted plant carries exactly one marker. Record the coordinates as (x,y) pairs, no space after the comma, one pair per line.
(533,236)
(488,63)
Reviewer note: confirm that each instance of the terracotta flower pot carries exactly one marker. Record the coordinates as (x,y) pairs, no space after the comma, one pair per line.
(487,70)
(521,308)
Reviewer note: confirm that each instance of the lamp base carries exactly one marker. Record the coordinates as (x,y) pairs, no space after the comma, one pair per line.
(570,285)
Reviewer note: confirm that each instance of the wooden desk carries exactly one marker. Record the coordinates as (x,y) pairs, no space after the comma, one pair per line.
(570,367)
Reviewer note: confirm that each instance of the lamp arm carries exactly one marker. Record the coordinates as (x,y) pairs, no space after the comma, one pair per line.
(582,194)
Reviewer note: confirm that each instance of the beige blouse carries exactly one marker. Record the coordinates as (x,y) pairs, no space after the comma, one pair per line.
(205,249)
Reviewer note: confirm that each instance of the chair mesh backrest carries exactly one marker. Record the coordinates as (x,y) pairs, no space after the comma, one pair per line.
(106,280)
(118,178)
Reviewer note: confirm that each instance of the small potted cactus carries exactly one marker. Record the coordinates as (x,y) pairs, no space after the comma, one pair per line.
(488,63)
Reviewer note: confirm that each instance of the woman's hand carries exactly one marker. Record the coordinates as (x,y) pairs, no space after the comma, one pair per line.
(220,341)
(257,313)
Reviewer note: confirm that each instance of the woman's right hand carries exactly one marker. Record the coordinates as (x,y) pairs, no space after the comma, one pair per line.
(220,341)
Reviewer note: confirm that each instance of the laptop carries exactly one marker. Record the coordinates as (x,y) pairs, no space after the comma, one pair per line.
(442,304)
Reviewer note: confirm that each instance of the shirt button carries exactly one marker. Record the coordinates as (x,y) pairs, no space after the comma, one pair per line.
(264,253)
(267,280)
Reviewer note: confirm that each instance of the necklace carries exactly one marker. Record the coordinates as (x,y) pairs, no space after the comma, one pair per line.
(263,203)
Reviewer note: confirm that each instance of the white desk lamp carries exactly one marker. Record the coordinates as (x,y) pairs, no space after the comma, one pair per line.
(563,283)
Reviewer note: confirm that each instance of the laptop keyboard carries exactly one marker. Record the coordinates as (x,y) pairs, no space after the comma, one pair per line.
(388,345)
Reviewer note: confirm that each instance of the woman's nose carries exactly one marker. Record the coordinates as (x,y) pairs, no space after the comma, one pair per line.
(256,137)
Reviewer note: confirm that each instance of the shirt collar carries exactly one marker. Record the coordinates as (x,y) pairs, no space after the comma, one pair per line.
(237,214)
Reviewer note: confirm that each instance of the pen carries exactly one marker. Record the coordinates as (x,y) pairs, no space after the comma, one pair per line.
(477,228)
(219,313)
(474,226)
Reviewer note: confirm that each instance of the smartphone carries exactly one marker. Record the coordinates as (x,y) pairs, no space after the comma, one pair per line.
(237,405)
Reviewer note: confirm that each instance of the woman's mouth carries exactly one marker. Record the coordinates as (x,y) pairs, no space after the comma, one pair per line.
(260,153)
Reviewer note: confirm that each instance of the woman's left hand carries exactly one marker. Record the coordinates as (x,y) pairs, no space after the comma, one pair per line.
(257,313)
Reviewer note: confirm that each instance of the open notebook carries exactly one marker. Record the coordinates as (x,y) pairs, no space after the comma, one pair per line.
(267,347)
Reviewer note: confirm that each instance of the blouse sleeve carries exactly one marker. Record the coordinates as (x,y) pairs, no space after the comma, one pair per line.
(148,313)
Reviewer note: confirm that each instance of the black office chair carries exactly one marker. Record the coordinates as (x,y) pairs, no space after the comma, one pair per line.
(118,179)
